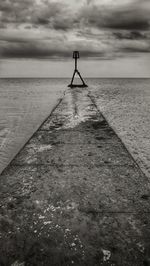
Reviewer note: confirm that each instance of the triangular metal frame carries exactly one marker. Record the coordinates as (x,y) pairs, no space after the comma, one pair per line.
(71,85)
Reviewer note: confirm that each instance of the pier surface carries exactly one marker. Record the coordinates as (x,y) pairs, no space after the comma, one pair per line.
(74,195)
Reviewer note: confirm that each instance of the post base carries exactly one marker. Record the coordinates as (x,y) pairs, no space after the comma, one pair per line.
(77,86)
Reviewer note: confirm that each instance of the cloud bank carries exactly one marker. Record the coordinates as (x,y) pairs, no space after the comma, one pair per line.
(103,29)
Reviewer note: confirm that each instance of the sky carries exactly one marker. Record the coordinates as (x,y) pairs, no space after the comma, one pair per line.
(37,38)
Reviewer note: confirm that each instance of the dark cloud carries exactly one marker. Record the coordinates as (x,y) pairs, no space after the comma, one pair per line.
(15,11)
(131,35)
(46,28)
(42,21)
(34,50)
(25,11)
(63,24)
(126,21)
(54,14)
(136,48)
(123,17)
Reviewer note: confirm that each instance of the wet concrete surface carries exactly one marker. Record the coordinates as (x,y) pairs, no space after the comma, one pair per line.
(74,195)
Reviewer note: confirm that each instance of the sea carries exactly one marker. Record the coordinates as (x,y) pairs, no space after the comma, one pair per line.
(25,104)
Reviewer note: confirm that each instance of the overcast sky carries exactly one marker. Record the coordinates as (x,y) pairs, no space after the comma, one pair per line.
(37,37)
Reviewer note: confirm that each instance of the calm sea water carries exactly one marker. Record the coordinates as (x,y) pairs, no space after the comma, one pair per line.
(25,103)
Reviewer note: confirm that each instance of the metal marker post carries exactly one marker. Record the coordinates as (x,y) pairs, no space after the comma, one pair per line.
(76,56)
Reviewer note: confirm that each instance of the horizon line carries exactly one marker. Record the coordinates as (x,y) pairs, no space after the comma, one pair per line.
(5,77)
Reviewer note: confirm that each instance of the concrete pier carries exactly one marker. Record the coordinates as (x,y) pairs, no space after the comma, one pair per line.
(74,195)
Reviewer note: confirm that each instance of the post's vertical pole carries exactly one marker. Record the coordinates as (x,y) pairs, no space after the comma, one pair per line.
(75,64)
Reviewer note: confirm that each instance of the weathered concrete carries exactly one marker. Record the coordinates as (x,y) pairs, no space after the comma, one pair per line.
(73,195)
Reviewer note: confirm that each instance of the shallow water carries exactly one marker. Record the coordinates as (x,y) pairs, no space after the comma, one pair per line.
(25,103)
(126,105)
